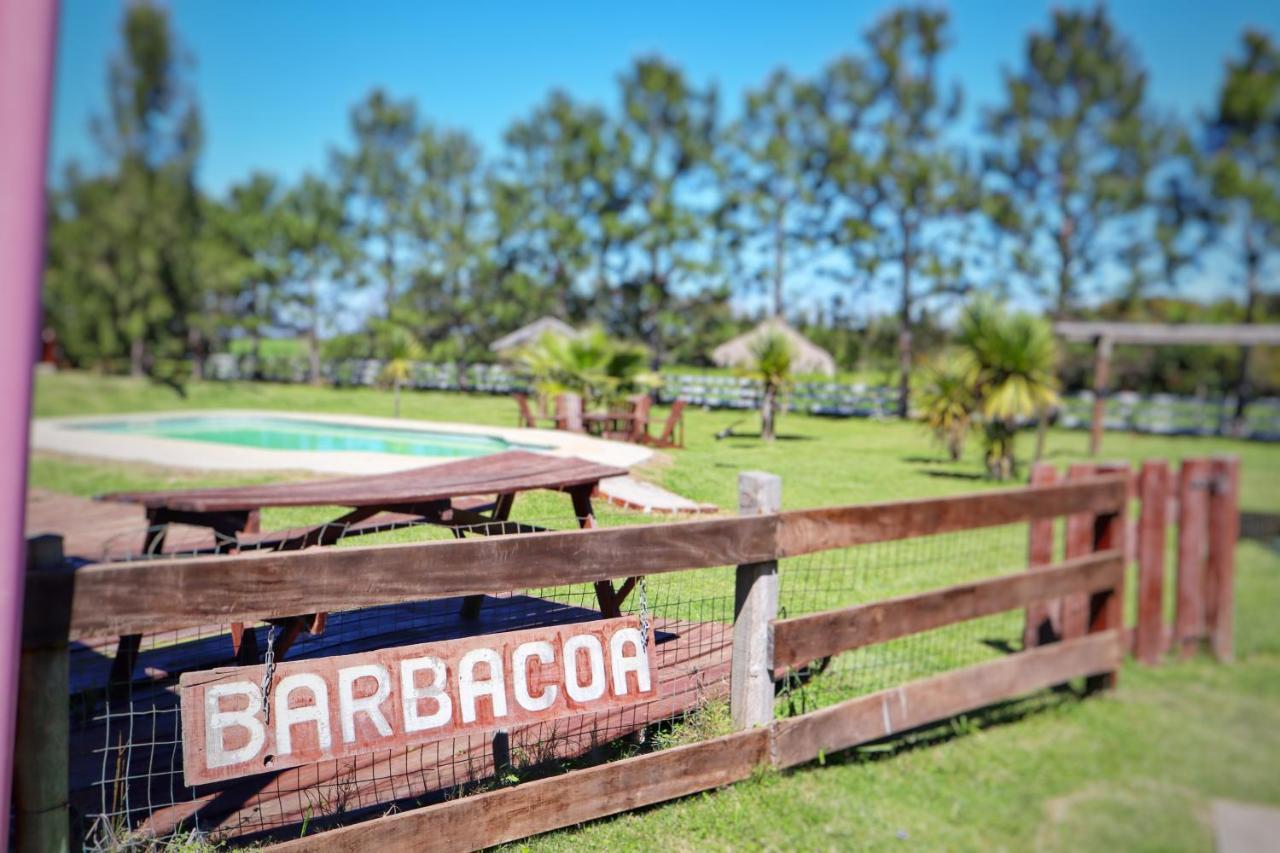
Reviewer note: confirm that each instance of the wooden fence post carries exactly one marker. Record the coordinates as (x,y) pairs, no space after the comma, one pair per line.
(1224,530)
(41,818)
(1044,618)
(1149,639)
(755,606)
(1080,540)
(1193,530)
(1106,608)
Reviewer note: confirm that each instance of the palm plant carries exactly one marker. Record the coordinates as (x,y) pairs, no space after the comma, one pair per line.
(771,354)
(601,370)
(947,403)
(399,349)
(1010,360)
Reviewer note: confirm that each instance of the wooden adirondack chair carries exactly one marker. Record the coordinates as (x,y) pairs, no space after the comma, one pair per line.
(640,406)
(672,430)
(526,414)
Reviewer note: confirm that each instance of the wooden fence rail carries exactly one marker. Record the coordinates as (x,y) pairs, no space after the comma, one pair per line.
(1202,500)
(172,594)
(803,639)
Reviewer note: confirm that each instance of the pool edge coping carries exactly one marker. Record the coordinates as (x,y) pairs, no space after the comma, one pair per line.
(58,435)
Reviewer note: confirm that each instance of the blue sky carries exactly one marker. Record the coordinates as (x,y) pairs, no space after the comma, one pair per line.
(275,80)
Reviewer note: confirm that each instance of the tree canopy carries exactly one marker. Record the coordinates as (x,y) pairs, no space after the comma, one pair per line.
(853,202)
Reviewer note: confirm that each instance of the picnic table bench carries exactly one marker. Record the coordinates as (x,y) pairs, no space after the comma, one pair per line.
(469,495)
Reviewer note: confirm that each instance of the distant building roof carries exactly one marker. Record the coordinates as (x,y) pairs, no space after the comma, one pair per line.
(528,334)
(807,357)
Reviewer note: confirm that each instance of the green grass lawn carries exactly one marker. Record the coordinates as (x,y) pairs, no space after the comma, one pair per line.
(1135,769)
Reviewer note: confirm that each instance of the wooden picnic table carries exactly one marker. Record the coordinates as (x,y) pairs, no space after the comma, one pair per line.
(453,494)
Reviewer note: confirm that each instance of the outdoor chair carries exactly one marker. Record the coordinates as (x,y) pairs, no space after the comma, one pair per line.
(672,430)
(640,406)
(526,417)
(569,413)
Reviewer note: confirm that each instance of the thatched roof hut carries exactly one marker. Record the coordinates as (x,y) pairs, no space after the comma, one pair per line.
(807,357)
(526,335)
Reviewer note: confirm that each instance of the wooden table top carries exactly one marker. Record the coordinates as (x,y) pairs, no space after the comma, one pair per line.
(501,473)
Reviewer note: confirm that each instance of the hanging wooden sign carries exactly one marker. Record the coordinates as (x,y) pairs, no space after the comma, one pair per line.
(341,706)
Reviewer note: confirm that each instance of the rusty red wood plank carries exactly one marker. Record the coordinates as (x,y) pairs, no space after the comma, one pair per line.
(1106,606)
(1079,541)
(1224,530)
(1194,481)
(383,699)
(1044,618)
(1149,637)
(810,530)
(485,820)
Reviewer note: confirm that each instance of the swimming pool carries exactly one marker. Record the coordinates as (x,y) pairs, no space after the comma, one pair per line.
(281,433)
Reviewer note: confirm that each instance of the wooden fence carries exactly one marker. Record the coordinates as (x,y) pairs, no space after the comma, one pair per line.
(1079,597)
(1199,503)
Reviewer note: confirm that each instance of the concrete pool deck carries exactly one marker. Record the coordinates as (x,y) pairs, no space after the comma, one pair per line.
(66,435)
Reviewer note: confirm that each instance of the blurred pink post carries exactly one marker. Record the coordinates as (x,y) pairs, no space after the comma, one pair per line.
(27,39)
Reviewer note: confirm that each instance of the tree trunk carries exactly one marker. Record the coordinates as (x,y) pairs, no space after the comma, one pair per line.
(767,411)
(198,348)
(779,262)
(904,330)
(389,272)
(653,313)
(1042,432)
(313,337)
(1066,230)
(255,338)
(396,403)
(1252,261)
(137,357)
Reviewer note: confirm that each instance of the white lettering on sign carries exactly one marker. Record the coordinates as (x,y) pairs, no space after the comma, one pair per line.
(341,706)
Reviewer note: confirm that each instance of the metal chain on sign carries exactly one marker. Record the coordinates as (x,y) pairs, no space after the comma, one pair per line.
(269,659)
(644,613)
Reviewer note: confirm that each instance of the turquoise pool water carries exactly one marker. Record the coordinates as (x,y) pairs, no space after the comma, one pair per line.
(300,434)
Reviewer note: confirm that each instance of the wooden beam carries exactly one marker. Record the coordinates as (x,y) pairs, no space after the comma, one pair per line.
(1182,334)
(811,530)
(1149,636)
(755,605)
(879,715)
(158,595)
(803,639)
(1224,530)
(1195,478)
(1106,606)
(1044,618)
(508,814)
(169,594)
(1079,536)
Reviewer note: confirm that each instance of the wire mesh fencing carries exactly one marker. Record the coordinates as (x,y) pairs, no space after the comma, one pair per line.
(127,756)
(127,773)
(868,573)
